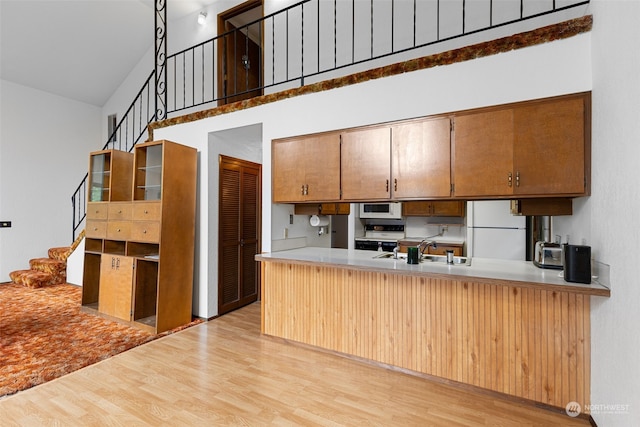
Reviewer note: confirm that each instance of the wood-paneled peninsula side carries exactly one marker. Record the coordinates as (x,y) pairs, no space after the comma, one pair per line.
(504,326)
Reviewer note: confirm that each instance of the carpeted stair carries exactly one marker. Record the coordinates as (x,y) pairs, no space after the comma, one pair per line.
(44,271)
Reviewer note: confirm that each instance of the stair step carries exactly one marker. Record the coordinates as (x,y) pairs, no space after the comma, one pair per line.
(47,265)
(32,278)
(44,271)
(60,254)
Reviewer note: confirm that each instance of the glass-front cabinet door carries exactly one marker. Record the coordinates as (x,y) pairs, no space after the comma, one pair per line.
(148,179)
(99,177)
(110,176)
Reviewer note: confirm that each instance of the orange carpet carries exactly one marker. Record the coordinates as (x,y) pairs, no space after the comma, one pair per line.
(44,335)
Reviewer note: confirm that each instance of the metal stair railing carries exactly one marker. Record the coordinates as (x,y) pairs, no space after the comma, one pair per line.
(312,39)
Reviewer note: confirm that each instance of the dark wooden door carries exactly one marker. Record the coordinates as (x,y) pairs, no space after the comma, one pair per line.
(240,53)
(239,233)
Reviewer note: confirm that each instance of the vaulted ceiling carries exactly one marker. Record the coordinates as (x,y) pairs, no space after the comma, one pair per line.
(79,49)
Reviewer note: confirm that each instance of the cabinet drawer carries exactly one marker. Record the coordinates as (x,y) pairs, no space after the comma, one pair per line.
(118,230)
(146,211)
(146,231)
(96,229)
(120,211)
(97,210)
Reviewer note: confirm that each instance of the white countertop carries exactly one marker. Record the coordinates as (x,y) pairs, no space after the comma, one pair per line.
(481,268)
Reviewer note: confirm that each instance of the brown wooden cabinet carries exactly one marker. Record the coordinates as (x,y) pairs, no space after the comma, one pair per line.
(322,209)
(366,164)
(306,168)
(123,277)
(453,208)
(537,148)
(421,159)
(440,249)
(116,286)
(533,149)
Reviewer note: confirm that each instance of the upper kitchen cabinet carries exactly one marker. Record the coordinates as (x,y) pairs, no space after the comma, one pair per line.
(421,159)
(483,153)
(366,164)
(450,208)
(306,169)
(533,149)
(550,150)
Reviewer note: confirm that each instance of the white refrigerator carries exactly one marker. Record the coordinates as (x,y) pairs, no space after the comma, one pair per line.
(492,232)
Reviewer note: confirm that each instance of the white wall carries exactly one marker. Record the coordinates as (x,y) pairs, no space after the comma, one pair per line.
(45,142)
(614,206)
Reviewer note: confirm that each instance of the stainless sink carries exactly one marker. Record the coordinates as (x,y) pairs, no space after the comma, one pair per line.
(457,260)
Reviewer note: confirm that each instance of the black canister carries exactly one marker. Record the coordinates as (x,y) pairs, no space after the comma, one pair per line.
(577,263)
(413,254)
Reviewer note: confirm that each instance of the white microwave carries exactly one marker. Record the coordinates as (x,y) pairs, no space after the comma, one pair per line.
(391,210)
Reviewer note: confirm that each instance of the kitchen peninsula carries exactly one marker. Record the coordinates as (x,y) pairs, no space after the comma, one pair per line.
(504,326)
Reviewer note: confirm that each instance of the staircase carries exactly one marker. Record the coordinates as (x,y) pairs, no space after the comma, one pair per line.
(46,271)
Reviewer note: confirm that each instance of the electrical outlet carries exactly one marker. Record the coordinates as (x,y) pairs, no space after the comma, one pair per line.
(291,219)
(5,224)
(286,233)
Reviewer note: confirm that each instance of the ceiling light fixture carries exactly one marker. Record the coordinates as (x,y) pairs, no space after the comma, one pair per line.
(202,18)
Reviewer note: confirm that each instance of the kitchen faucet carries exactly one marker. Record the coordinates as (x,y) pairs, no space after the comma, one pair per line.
(429,242)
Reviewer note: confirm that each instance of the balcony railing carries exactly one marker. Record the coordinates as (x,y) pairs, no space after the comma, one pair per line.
(307,42)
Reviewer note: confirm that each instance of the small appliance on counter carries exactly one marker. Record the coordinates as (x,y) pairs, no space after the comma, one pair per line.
(548,255)
(577,264)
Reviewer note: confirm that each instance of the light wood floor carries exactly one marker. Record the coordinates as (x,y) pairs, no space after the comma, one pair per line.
(224,373)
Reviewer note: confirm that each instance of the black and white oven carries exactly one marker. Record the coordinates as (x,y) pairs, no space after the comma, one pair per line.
(382,237)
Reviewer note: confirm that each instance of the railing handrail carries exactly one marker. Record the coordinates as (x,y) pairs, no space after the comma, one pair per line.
(79,212)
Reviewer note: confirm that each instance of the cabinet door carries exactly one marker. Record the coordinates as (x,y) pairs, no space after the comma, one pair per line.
(549,150)
(366,164)
(421,159)
(483,153)
(434,208)
(116,286)
(447,208)
(344,209)
(306,169)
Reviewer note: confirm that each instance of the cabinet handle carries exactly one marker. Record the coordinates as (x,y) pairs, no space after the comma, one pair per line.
(144,231)
(387,186)
(306,189)
(118,230)
(302,190)
(510,180)
(146,211)
(518,179)
(395,184)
